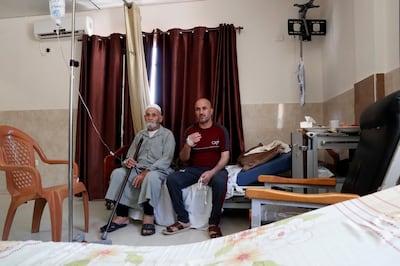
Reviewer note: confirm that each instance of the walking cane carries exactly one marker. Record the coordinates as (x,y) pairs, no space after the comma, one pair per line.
(121,190)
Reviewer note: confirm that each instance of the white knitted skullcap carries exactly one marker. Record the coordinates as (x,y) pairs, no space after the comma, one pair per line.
(155,106)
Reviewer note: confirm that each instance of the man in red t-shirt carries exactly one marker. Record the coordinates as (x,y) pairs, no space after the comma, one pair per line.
(206,150)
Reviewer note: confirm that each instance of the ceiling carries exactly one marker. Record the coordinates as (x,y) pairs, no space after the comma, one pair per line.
(27,8)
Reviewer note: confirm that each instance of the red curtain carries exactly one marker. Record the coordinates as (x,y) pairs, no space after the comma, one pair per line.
(106,96)
(200,62)
(225,90)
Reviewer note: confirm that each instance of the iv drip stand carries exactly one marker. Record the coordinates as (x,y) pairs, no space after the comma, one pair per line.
(301,36)
(300,68)
(72,64)
(301,47)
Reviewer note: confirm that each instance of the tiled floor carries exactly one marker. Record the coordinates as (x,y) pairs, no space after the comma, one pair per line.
(233,220)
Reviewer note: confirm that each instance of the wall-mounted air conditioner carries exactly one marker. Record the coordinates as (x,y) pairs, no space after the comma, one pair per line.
(47,29)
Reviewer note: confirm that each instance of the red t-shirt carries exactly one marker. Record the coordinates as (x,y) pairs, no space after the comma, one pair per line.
(207,151)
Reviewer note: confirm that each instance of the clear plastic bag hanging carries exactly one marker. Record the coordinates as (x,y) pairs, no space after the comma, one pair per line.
(57,10)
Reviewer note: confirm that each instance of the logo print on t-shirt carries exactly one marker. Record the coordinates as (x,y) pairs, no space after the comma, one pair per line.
(215,142)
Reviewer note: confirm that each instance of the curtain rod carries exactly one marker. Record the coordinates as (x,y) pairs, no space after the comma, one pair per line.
(129,5)
(238,29)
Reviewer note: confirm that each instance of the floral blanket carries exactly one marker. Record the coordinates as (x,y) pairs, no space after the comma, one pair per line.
(363,231)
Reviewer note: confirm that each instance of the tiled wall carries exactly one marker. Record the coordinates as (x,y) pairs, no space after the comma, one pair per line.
(261,123)
(340,108)
(50,129)
(267,122)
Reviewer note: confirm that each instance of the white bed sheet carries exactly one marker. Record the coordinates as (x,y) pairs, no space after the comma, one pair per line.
(364,231)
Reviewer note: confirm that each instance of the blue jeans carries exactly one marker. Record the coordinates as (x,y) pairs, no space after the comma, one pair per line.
(190,175)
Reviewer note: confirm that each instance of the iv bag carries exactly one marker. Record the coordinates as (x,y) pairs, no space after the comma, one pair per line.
(57,10)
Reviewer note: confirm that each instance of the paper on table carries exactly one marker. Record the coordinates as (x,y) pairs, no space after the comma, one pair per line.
(309,119)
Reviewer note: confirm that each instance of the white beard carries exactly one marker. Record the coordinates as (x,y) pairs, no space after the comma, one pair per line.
(152,125)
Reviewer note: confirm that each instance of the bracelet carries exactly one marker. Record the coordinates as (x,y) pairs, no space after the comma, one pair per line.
(189,142)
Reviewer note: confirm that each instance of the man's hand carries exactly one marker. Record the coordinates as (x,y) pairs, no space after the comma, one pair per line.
(206,177)
(138,180)
(129,163)
(193,139)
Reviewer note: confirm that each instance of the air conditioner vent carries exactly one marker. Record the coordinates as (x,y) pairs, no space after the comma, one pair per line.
(47,29)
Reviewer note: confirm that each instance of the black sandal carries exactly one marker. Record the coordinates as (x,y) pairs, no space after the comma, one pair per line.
(113,226)
(148,229)
(178,228)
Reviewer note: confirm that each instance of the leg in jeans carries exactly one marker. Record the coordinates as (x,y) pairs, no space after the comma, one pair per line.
(219,186)
(176,182)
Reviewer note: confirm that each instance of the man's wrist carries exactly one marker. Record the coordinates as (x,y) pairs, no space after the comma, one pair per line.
(189,142)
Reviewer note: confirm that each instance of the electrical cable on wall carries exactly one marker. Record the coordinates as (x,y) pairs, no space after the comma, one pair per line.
(304,28)
(95,128)
(57,12)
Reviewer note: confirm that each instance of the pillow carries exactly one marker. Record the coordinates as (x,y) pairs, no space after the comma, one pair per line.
(252,160)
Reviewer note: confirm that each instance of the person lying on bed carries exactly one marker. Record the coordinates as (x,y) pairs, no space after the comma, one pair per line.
(151,168)
(206,151)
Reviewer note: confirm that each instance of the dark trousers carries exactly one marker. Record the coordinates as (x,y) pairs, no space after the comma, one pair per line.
(123,210)
(184,178)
